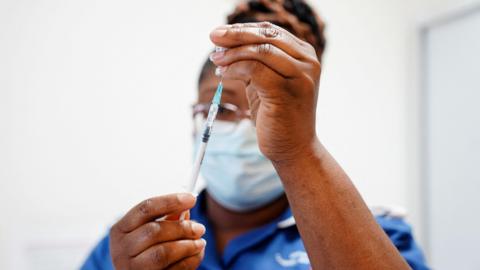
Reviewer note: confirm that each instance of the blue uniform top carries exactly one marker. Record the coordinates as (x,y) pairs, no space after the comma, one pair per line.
(277,245)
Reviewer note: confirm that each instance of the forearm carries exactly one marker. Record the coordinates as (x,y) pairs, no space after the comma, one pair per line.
(336,226)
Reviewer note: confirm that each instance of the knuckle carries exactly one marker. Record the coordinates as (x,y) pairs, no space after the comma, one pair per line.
(159,256)
(152,229)
(269,31)
(265,24)
(118,229)
(145,207)
(264,48)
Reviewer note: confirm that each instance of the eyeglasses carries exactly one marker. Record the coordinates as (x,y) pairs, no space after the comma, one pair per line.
(226,112)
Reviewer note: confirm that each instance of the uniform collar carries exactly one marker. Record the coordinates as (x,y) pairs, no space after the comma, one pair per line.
(284,221)
(289,221)
(241,243)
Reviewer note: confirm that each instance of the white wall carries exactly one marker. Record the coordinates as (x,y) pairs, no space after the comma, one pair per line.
(420,13)
(453,142)
(86,88)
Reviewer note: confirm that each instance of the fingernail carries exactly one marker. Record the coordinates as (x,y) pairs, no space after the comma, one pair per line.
(223,69)
(219,32)
(216,56)
(220,49)
(185,197)
(219,71)
(198,228)
(200,243)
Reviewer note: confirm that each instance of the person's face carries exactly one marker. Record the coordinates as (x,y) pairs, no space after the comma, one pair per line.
(233,94)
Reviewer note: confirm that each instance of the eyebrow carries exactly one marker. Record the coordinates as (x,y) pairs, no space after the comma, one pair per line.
(228,90)
(225,90)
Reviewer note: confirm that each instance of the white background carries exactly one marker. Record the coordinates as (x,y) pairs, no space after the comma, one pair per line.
(452,68)
(95,110)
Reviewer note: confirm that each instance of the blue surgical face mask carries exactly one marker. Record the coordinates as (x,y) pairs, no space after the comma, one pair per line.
(237,174)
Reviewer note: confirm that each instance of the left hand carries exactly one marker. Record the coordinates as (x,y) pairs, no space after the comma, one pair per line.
(281,74)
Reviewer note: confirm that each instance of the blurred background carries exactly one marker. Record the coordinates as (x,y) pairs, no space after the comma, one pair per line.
(95,115)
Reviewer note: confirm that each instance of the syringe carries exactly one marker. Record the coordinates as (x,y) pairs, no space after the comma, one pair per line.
(212,114)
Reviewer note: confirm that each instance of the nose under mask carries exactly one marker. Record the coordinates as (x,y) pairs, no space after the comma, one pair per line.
(237,174)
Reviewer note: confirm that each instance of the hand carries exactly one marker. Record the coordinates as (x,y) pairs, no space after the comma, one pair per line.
(139,241)
(281,74)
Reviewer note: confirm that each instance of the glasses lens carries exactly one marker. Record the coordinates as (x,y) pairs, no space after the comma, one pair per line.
(219,127)
(227,112)
(227,118)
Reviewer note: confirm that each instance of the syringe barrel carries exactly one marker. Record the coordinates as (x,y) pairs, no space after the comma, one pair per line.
(212,113)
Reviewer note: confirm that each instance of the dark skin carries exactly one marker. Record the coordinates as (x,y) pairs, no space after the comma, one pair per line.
(280,75)
(228,224)
(147,233)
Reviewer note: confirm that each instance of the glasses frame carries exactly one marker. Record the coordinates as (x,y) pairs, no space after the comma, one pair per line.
(204,108)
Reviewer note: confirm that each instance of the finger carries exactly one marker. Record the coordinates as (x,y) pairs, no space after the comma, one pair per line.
(157,232)
(163,255)
(266,25)
(178,215)
(260,83)
(257,33)
(247,33)
(266,53)
(153,208)
(253,72)
(189,263)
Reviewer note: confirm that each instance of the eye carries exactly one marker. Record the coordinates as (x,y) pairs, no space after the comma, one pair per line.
(225,114)
(222,110)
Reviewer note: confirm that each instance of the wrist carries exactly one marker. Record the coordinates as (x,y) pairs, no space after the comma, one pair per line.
(309,153)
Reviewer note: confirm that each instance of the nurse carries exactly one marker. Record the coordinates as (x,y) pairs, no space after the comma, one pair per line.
(275,198)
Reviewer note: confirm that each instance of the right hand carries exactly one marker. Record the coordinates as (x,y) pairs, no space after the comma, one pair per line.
(138,241)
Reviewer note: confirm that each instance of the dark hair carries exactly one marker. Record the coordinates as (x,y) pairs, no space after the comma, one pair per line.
(295,16)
